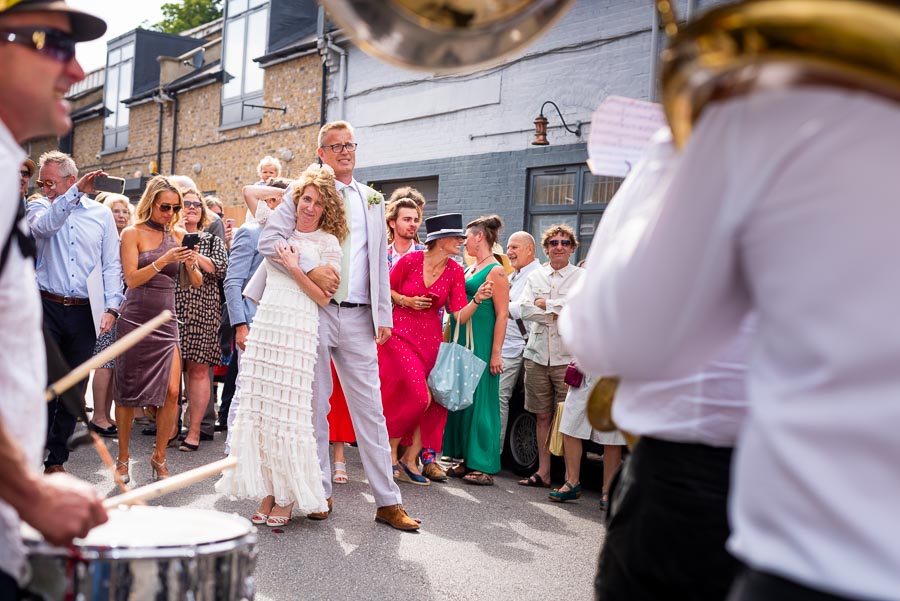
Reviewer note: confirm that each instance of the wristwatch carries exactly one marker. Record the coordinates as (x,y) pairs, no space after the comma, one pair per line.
(113,312)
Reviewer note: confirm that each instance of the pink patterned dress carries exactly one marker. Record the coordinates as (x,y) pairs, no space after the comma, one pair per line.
(408,356)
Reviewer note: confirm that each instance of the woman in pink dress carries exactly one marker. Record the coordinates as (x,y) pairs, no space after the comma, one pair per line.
(422,283)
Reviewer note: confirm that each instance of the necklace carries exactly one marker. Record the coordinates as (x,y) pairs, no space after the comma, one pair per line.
(436,268)
(478,264)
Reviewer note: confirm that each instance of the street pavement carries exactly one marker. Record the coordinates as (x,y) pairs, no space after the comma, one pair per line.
(476,543)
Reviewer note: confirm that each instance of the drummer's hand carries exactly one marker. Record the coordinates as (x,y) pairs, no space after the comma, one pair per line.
(66,508)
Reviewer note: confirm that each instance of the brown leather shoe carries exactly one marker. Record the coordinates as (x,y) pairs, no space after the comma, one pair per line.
(434,472)
(320,515)
(396,517)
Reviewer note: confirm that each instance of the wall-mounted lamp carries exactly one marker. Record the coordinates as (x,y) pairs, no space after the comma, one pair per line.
(197,168)
(540,126)
(287,155)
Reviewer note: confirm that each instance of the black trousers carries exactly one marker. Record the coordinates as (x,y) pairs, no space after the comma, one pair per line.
(73,330)
(752,585)
(228,388)
(667,526)
(9,588)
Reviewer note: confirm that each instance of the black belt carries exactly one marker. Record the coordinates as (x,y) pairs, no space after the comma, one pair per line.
(346,305)
(66,301)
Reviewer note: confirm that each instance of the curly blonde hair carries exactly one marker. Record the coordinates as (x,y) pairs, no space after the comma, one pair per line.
(334,219)
(155,187)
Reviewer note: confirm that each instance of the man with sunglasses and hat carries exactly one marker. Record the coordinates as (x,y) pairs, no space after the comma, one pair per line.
(25,172)
(37,43)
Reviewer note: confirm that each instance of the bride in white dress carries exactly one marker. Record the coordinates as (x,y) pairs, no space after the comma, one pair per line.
(272,436)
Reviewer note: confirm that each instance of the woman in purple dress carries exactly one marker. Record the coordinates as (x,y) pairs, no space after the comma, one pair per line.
(422,283)
(148,373)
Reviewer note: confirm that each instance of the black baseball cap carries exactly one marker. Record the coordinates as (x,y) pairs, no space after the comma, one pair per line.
(85,27)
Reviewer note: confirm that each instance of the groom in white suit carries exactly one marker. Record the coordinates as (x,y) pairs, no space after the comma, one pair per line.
(358,317)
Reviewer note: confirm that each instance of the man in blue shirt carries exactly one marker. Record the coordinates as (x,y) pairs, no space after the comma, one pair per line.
(74,235)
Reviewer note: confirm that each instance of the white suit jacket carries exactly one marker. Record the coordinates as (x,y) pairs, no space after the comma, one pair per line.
(283,221)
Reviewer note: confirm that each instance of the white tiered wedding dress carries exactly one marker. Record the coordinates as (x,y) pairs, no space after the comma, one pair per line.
(272,436)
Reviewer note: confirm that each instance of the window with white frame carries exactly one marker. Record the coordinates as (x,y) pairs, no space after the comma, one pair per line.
(119,73)
(569,195)
(246,31)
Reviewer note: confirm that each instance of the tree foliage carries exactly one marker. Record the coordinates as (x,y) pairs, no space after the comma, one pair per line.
(181,16)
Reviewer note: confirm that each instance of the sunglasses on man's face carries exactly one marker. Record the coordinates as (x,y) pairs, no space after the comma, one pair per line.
(555,243)
(167,207)
(52,43)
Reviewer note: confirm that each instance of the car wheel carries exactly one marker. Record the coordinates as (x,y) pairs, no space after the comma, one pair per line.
(521,443)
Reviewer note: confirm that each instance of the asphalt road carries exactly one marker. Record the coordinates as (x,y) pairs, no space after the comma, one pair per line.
(499,542)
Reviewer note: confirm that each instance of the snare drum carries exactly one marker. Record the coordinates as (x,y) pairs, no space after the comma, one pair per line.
(149,554)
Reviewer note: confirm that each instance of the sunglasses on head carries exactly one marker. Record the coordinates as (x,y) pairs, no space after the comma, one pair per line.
(558,242)
(167,207)
(52,43)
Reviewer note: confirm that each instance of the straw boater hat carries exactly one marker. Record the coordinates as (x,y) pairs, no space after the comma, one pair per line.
(85,27)
(444,226)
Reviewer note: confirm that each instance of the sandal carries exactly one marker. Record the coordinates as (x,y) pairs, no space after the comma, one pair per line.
(604,501)
(340,472)
(259,518)
(413,478)
(187,447)
(572,492)
(534,480)
(277,521)
(457,471)
(479,478)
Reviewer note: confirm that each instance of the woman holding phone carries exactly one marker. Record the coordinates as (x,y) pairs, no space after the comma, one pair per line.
(200,310)
(148,374)
(422,283)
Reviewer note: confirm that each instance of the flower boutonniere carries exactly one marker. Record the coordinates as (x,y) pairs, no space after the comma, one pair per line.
(374,198)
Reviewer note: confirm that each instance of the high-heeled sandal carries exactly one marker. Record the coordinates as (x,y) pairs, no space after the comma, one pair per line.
(340,472)
(126,477)
(259,518)
(155,466)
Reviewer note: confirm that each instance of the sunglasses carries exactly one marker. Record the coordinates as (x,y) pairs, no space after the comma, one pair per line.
(194,204)
(45,183)
(167,207)
(24,173)
(52,43)
(555,243)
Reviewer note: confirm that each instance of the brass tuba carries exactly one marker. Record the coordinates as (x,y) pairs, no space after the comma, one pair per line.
(766,44)
(444,36)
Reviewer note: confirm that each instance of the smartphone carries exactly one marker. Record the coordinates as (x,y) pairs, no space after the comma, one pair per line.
(432,297)
(190,240)
(106,183)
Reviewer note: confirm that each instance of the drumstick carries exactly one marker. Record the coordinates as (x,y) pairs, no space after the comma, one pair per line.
(164,487)
(120,346)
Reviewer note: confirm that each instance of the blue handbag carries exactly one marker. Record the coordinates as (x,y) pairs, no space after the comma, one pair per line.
(456,373)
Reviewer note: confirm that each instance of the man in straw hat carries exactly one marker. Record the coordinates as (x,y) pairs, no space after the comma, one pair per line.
(37,54)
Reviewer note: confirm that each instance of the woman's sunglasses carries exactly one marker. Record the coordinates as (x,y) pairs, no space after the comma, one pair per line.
(167,207)
(50,42)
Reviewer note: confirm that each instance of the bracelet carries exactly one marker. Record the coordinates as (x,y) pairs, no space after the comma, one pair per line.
(476,301)
(113,312)
(400,302)
(158,270)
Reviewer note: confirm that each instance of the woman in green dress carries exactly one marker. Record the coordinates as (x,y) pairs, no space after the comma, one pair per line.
(473,434)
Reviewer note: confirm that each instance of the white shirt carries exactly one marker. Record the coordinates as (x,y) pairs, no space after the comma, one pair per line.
(707,407)
(358,286)
(785,202)
(545,346)
(514,342)
(22,360)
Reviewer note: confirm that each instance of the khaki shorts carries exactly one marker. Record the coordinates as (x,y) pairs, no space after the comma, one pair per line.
(545,386)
